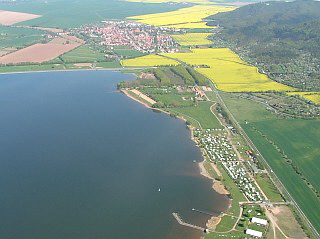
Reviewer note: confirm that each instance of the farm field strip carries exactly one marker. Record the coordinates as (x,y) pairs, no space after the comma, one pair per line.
(189,15)
(192,39)
(8,18)
(31,54)
(16,37)
(83,54)
(312,96)
(148,61)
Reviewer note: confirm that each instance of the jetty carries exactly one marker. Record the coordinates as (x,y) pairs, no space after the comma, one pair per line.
(181,222)
(202,212)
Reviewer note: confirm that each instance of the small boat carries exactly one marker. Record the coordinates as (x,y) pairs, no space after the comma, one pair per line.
(159,190)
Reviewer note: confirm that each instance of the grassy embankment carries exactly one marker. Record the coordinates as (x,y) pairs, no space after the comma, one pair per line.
(26,68)
(268,188)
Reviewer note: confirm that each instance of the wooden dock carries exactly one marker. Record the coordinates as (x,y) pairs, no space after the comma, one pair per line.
(181,222)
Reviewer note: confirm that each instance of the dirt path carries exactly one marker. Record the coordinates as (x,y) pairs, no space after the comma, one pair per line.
(274,224)
(143,96)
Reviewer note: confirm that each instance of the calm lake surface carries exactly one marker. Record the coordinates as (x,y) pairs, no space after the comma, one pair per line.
(80,160)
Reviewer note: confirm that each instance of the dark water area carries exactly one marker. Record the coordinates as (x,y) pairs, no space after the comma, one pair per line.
(81,160)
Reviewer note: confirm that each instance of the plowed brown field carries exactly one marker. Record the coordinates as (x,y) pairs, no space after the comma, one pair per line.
(37,53)
(9,18)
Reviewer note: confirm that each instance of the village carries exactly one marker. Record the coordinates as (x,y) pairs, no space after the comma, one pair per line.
(141,37)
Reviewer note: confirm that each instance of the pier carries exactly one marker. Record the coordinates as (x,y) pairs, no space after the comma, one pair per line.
(181,222)
(203,212)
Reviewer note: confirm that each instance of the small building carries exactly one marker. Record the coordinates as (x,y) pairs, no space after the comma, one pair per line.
(198,91)
(259,221)
(253,167)
(254,233)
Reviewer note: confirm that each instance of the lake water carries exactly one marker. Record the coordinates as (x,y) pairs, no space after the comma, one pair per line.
(80,160)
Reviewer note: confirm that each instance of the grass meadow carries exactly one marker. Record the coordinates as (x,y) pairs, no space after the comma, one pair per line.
(82,54)
(201,114)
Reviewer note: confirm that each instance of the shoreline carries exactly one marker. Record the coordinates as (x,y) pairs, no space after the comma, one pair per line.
(217,186)
(69,70)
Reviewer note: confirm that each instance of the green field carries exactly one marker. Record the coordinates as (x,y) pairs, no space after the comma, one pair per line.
(83,54)
(184,74)
(201,113)
(19,37)
(298,139)
(179,75)
(268,188)
(128,53)
(74,13)
(169,97)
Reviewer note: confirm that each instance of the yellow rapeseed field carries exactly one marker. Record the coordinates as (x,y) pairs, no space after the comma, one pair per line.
(148,61)
(187,15)
(192,39)
(228,72)
(190,25)
(312,96)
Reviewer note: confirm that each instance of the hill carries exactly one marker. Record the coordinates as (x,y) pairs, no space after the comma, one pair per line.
(282,38)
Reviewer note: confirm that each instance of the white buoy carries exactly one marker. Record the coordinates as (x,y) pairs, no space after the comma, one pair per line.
(159,190)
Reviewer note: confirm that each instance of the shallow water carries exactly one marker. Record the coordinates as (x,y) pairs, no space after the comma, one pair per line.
(81,160)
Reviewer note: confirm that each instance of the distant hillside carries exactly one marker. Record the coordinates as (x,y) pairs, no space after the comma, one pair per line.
(283,37)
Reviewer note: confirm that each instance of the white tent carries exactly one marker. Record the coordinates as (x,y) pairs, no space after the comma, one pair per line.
(259,221)
(253,233)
